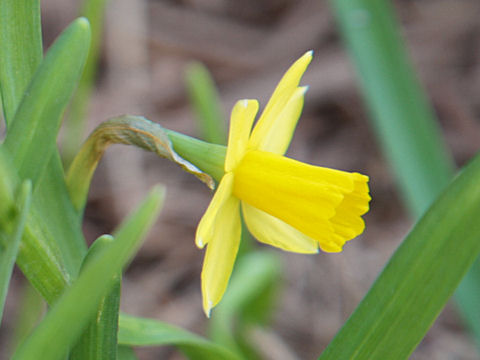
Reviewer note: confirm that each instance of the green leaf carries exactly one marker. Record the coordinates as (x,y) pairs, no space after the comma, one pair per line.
(204,98)
(31,139)
(10,240)
(63,225)
(37,257)
(72,312)
(137,331)
(401,115)
(7,187)
(21,49)
(402,118)
(99,339)
(247,301)
(419,279)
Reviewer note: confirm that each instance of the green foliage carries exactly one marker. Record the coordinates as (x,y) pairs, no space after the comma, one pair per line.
(10,234)
(41,212)
(30,141)
(419,278)
(21,44)
(401,115)
(136,331)
(204,99)
(99,339)
(72,312)
(248,301)
(32,137)
(37,257)
(408,133)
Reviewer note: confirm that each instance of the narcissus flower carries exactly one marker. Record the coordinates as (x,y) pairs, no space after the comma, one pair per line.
(285,203)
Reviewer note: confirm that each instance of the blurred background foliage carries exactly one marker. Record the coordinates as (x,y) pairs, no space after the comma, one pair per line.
(147,48)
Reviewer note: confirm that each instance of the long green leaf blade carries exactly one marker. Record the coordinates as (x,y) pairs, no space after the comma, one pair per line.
(21,49)
(99,339)
(37,257)
(74,309)
(418,280)
(63,223)
(400,112)
(204,99)
(31,139)
(403,118)
(10,237)
(137,331)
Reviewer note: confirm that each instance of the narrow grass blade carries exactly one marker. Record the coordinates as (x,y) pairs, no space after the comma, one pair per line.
(21,49)
(7,188)
(99,339)
(40,256)
(37,257)
(94,11)
(135,331)
(10,240)
(403,118)
(74,309)
(63,223)
(204,99)
(31,139)
(248,301)
(401,114)
(419,279)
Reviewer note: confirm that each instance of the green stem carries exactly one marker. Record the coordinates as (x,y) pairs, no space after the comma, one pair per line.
(140,132)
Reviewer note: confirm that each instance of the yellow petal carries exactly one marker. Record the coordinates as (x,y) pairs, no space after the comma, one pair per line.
(241,120)
(279,99)
(205,228)
(324,204)
(347,221)
(330,247)
(221,252)
(272,231)
(277,138)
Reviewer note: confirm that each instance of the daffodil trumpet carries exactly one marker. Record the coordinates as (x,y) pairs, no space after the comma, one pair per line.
(285,203)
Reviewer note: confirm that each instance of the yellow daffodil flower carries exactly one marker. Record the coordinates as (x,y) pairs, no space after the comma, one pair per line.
(285,203)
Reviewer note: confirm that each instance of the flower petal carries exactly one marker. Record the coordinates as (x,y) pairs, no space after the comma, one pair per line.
(347,221)
(221,253)
(324,204)
(241,120)
(278,137)
(272,231)
(270,117)
(205,228)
